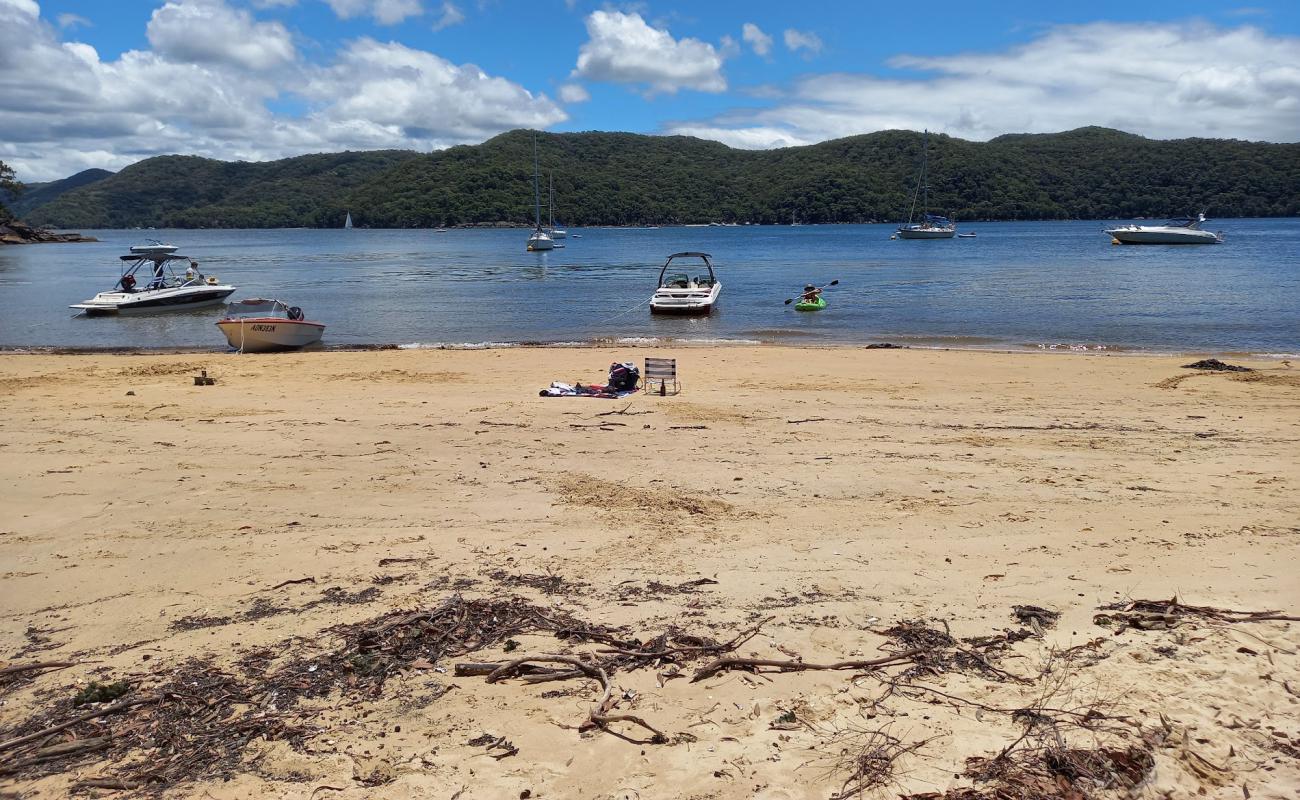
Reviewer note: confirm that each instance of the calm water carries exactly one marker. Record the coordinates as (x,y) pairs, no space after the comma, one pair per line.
(1017,284)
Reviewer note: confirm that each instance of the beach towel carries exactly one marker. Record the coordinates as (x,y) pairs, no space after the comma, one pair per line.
(623,380)
(557,389)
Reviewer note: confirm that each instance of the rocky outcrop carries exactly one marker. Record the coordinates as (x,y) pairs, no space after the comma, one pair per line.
(15,232)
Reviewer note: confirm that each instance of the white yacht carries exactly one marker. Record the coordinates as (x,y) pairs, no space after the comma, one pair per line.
(931,226)
(1175,231)
(679,293)
(164,289)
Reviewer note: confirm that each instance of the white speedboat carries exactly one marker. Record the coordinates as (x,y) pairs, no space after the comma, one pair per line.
(679,293)
(160,288)
(266,326)
(1175,231)
(931,226)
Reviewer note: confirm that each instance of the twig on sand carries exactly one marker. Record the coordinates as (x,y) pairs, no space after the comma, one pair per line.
(623,410)
(598,716)
(734,662)
(802,421)
(283,584)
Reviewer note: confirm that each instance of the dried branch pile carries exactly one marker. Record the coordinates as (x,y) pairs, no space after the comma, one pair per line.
(192,723)
(1150,615)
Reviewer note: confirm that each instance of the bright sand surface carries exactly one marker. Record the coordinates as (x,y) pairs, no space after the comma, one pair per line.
(831,492)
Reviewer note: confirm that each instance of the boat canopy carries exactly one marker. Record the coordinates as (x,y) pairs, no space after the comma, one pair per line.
(690,254)
(936,218)
(152,256)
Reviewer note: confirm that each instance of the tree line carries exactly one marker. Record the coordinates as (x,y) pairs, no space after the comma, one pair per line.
(632,179)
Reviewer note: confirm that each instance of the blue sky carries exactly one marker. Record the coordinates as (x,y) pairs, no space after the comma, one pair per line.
(96,83)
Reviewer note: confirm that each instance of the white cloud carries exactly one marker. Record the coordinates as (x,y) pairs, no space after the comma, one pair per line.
(73,20)
(274,3)
(26,7)
(756,38)
(381,94)
(802,40)
(449,15)
(574,93)
(624,48)
(211,32)
(384,12)
(65,109)
(1193,80)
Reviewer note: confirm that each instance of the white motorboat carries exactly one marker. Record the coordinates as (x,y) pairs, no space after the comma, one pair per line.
(538,240)
(1175,231)
(266,326)
(931,226)
(679,293)
(162,290)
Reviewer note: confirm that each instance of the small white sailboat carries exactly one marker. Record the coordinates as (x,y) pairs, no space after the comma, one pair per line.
(931,226)
(539,240)
(555,232)
(347,223)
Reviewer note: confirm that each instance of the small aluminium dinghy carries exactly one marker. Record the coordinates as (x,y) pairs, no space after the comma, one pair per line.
(267,326)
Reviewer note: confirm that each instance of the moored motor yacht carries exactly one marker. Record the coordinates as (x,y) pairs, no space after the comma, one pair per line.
(263,326)
(163,289)
(679,293)
(1175,231)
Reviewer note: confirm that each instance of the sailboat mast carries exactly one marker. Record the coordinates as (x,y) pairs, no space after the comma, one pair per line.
(537,195)
(925,173)
(550,200)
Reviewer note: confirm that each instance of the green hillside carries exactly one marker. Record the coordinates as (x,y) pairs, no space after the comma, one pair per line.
(626,179)
(193,192)
(35,195)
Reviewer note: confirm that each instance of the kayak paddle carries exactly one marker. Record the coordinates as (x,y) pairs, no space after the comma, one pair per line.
(827,286)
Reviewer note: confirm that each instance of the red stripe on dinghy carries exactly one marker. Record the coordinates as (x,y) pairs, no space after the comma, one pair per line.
(271,321)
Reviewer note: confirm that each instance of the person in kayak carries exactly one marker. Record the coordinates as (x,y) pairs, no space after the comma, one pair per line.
(810,294)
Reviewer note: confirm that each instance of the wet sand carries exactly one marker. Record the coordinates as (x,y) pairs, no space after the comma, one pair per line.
(834,495)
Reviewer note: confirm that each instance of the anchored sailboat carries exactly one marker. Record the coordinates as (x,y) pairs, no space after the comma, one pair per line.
(538,239)
(930,226)
(556,233)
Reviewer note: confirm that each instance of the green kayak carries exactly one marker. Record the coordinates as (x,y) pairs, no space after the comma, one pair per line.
(816,305)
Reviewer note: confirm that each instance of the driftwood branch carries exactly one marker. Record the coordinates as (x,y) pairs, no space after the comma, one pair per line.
(121,705)
(599,716)
(735,662)
(14,669)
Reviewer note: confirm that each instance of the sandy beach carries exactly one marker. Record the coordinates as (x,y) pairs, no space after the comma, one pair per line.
(284,569)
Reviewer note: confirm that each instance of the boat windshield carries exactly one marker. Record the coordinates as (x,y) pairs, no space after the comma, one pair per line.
(677,280)
(257,308)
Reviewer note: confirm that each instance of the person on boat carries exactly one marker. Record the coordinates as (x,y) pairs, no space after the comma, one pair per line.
(810,294)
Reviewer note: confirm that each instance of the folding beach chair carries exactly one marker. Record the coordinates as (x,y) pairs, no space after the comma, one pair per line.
(663,370)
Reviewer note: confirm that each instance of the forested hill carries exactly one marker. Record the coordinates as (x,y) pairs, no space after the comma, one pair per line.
(628,179)
(35,195)
(193,192)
